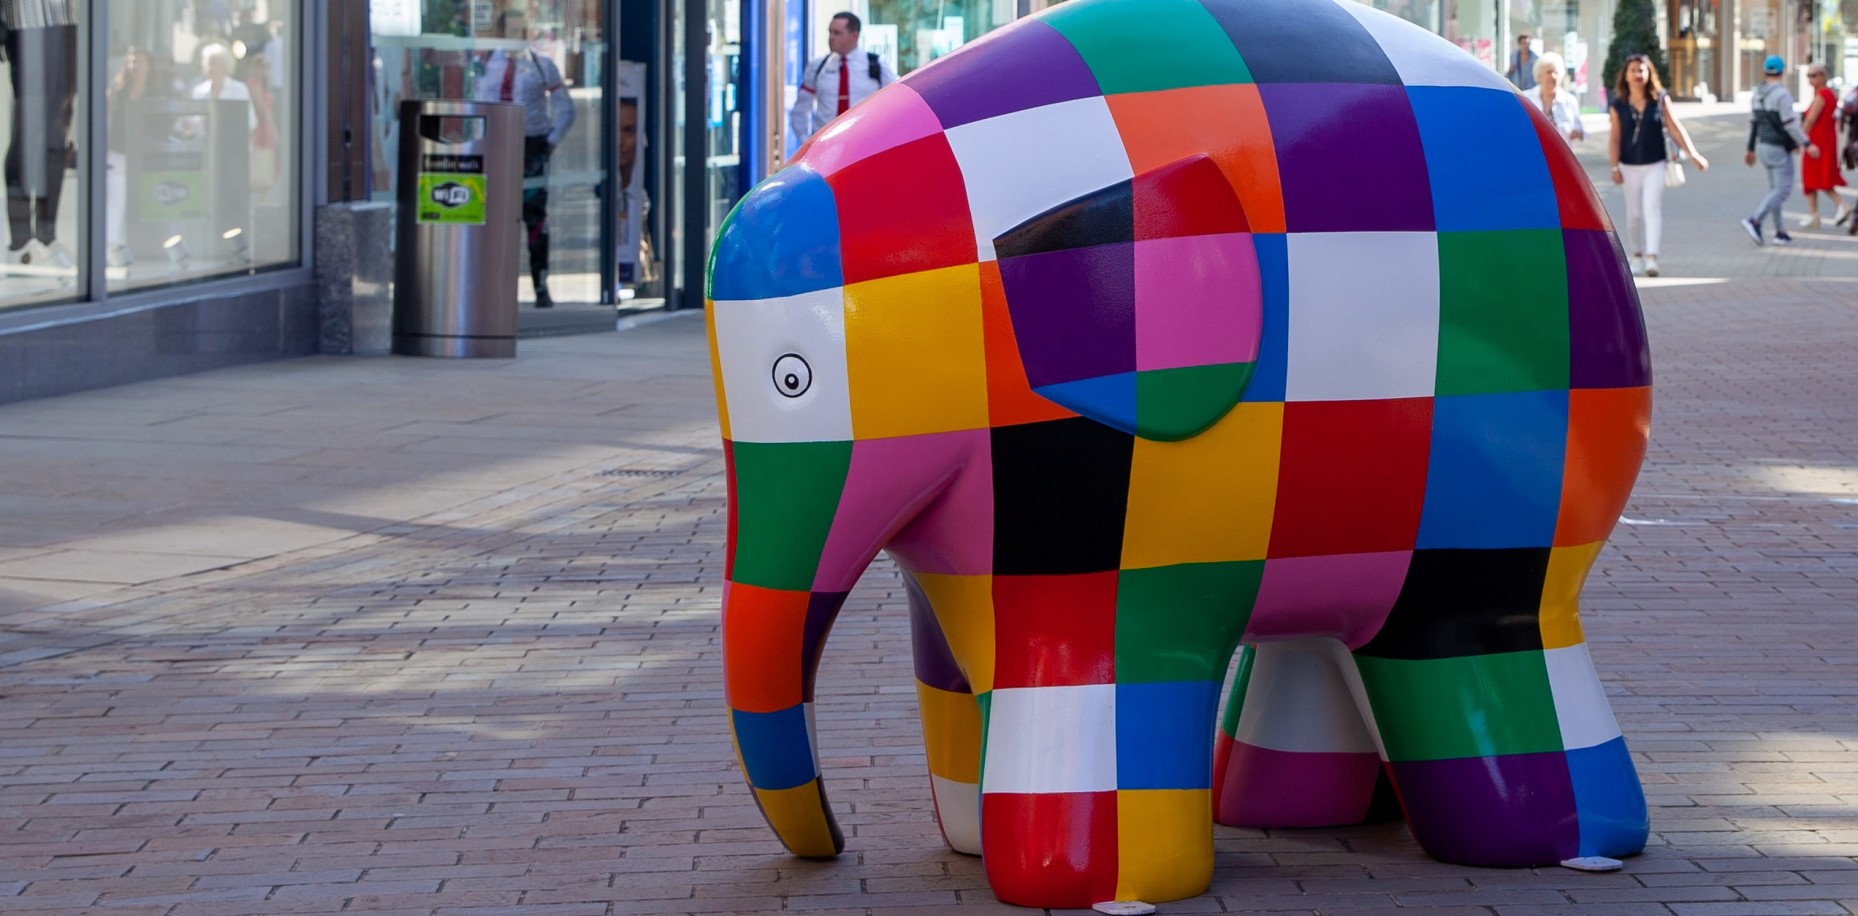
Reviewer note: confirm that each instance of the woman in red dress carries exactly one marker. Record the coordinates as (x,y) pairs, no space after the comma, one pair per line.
(1821,123)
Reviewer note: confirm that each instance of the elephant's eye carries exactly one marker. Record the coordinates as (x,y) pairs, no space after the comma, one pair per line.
(792,376)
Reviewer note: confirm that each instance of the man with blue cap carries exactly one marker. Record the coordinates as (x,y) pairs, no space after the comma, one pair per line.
(1773,134)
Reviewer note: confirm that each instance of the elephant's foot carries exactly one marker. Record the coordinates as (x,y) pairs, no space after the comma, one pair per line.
(1298,754)
(1262,787)
(1508,759)
(1098,792)
(1079,849)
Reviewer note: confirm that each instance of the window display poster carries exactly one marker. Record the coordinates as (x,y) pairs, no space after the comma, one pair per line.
(629,84)
(394,18)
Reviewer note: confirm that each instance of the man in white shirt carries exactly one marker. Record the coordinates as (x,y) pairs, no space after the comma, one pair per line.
(533,81)
(838,80)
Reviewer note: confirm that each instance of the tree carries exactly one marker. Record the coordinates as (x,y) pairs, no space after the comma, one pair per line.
(1635,31)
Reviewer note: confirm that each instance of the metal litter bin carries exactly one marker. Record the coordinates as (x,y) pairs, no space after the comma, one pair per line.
(460,228)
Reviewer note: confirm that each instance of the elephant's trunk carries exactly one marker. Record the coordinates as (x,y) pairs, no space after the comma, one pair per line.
(805,519)
(771,643)
(783,498)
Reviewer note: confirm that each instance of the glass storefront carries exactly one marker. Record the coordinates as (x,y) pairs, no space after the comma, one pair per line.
(513,51)
(203,147)
(200,140)
(910,33)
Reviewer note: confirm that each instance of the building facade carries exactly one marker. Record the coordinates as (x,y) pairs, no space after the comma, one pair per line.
(193,183)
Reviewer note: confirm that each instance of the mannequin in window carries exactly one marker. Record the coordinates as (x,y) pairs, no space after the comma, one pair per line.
(40,46)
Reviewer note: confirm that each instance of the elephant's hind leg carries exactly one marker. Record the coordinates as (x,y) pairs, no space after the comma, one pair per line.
(1502,744)
(1293,749)
(951,721)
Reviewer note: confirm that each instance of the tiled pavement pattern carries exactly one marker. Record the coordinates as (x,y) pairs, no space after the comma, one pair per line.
(428,636)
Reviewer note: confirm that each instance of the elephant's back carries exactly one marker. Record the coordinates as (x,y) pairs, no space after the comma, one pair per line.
(1421,231)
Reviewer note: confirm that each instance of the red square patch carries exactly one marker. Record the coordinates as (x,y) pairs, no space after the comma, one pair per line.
(1580,203)
(902,211)
(1055,631)
(1351,477)
(1053,849)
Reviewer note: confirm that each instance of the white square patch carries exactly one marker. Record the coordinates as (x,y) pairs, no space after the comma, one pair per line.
(753,336)
(1421,57)
(1051,739)
(1019,165)
(1580,702)
(1298,700)
(1364,316)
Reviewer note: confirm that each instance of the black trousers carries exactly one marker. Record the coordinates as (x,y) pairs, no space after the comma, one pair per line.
(535,206)
(43,65)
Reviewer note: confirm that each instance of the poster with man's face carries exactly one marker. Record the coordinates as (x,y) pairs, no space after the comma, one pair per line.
(629,82)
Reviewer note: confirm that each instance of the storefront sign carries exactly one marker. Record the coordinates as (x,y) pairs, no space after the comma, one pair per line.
(451,190)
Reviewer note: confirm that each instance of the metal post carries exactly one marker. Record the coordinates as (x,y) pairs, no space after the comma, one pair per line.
(94,34)
(609,150)
(774,85)
(696,152)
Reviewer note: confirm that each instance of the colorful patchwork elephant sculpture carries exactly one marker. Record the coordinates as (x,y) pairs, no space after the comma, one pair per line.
(1141,330)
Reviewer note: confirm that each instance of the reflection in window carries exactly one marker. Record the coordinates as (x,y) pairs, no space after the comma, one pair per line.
(43,63)
(200,178)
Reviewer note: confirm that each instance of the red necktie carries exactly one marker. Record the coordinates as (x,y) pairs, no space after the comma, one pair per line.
(509,78)
(845,83)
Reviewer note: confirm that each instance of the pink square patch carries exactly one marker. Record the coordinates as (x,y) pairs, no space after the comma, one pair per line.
(1198,301)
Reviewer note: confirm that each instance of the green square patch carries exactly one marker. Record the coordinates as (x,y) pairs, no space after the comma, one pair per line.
(1150,45)
(1503,312)
(1173,404)
(1467,706)
(1182,623)
(785,497)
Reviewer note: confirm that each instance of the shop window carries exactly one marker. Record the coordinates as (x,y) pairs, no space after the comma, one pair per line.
(201,167)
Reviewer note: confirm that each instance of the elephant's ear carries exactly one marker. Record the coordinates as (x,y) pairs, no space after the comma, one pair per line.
(1139,305)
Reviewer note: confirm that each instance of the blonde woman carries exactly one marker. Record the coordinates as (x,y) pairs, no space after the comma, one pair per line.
(1560,107)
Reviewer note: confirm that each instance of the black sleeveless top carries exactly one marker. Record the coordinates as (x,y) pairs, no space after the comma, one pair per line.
(1641,133)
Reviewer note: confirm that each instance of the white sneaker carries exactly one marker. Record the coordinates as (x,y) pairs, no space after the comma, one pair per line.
(1809,222)
(1651,265)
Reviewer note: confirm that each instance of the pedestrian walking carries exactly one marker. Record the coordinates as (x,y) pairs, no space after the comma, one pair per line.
(839,79)
(533,81)
(1522,64)
(1560,107)
(1822,127)
(1773,134)
(1642,119)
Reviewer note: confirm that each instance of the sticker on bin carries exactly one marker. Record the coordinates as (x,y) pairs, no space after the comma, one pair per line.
(451,189)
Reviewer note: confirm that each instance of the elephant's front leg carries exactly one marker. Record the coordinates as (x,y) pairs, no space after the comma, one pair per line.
(1097,773)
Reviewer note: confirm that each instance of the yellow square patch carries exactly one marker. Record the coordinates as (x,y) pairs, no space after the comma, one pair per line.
(916,353)
(716,367)
(951,733)
(798,816)
(1207,499)
(1164,843)
(964,606)
(1561,594)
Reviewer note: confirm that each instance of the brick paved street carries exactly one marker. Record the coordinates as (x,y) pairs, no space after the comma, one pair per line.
(404,636)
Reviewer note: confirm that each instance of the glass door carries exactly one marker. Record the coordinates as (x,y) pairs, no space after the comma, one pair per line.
(542,54)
